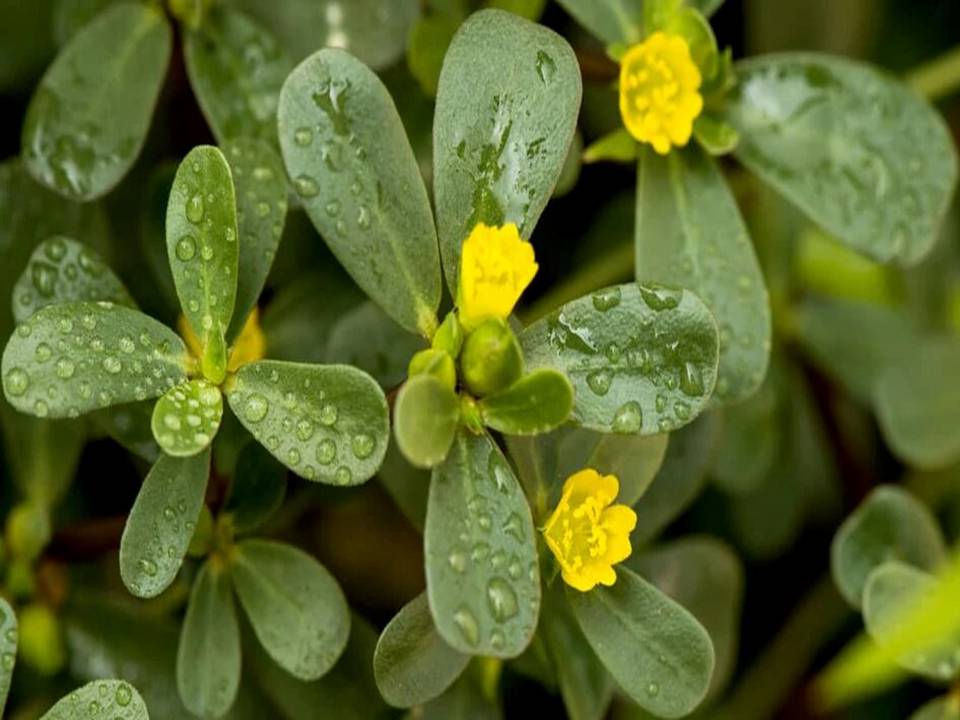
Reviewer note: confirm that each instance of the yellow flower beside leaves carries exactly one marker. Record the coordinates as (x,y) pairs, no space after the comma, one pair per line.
(496,265)
(659,91)
(587,533)
(249,346)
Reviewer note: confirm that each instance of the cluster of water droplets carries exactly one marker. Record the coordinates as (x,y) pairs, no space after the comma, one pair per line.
(100,700)
(8,643)
(261,197)
(187,417)
(165,548)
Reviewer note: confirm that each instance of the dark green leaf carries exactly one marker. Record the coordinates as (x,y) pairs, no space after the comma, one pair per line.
(187,417)
(611,21)
(480,552)
(8,649)
(634,459)
(258,488)
(161,523)
(407,485)
(506,113)
(412,663)
(89,116)
(534,404)
(129,425)
(295,606)
(425,420)
(641,359)
(324,422)
(73,358)
(100,700)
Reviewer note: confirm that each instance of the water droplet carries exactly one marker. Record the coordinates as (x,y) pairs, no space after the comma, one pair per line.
(328,414)
(306,186)
(501,599)
(172,422)
(332,208)
(17,381)
(653,689)
(112,365)
(607,299)
(65,368)
(343,476)
(467,625)
(40,409)
(514,527)
(194,209)
(206,252)
(326,451)
(628,418)
(148,567)
(44,278)
(123,695)
(458,561)
(186,248)
(127,345)
(293,457)
(263,209)
(660,297)
(599,382)
(303,136)
(43,352)
(55,249)
(681,410)
(362,445)
(65,325)
(304,429)
(691,381)
(546,67)
(363,217)
(256,407)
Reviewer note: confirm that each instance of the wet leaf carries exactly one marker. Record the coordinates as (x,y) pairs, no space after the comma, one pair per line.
(425,420)
(100,700)
(612,21)
(8,649)
(187,417)
(536,403)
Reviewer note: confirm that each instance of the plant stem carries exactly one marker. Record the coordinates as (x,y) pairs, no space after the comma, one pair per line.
(937,78)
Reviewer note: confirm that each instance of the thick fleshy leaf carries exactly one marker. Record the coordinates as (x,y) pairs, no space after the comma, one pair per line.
(534,404)
(208,655)
(689,233)
(187,417)
(506,113)
(72,358)
(658,653)
(63,270)
(425,420)
(100,700)
(324,422)
(236,69)
(89,116)
(752,438)
(351,163)
(258,488)
(890,523)
(161,523)
(261,191)
(429,39)
(642,359)
(202,241)
(296,608)
(863,156)
(892,591)
(611,21)
(412,663)
(635,460)
(8,649)
(69,16)
(483,581)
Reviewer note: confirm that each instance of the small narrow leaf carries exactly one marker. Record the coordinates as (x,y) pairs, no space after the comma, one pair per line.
(161,523)
(641,359)
(324,422)
(76,357)
(351,163)
(100,700)
(208,656)
(483,581)
(89,116)
(425,420)
(611,21)
(536,403)
(202,240)
(296,608)
(8,649)
(412,663)
(655,649)
(618,146)
(506,112)
(186,418)
(62,270)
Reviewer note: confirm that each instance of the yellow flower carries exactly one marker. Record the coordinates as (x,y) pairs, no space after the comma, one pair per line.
(587,534)
(249,346)
(659,91)
(496,265)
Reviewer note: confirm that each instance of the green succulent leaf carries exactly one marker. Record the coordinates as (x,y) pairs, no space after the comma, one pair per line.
(261,191)
(425,420)
(412,663)
(202,243)
(534,404)
(506,112)
(612,21)
(236,69)
(642,359)
(208,655)
(714,135)
(296,608)
(63,270)
(351,163)
(889,524)
(129,425)
(480,552)
(8,649)
(618,146)
(429,40)
(161,523)
(658,653)
(324,422)
(76,357)
(689,233)
(100,700)
(187,417)
(858,152)
(89,116)
(258,488)
(892,590)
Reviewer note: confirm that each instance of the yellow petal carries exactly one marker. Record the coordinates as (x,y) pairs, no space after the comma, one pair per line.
(589,483)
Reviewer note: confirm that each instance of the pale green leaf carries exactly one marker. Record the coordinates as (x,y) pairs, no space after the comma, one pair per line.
(536,403)
(425,420)
(187,417)
(8,649)
(611,21)
(618,146)
(100,700)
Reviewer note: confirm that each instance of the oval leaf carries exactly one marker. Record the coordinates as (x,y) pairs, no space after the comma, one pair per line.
(483,581)
(863,156)
(89,116)
(236,69)
(76,357)
(425,420)
(8,649)
(635,460)
(889,524)
(295,606)
(506,112)
(100,700)
(641,359)
(351,163)
(655,649)
(208,656)
(412,663)
(161,523)
(689,233)
(324,422)
(537,402)
(186,419)
(612,21)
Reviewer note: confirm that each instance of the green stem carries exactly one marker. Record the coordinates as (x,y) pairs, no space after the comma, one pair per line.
(938,78)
